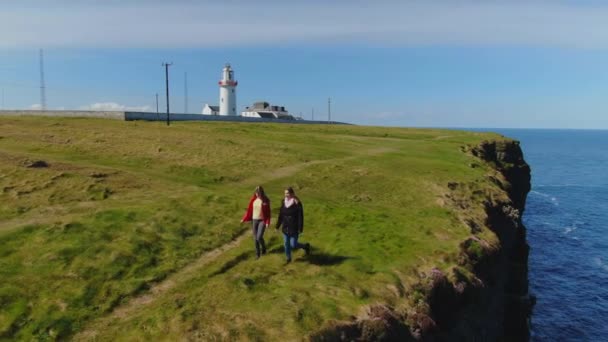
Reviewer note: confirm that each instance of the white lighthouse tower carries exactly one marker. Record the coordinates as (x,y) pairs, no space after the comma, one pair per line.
(228,92)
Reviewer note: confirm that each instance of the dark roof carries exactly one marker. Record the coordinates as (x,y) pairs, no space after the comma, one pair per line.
(260,105)
(266,115)
(263,105)
(215,108)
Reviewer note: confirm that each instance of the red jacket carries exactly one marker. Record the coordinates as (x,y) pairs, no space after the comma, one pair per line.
(265,210)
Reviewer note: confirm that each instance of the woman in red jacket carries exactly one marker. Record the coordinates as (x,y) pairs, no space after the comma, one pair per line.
(258,212)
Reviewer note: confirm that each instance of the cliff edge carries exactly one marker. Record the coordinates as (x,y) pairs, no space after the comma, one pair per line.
(485,297)
(504,272)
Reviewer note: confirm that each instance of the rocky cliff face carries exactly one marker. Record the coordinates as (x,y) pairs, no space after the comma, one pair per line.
(509,267)
(485,297)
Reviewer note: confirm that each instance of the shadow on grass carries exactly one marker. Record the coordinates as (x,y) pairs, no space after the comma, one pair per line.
(316,257)
(232,263)
(276,250)
(324,259)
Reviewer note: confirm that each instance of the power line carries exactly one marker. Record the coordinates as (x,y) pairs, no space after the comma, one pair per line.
(167,65)
(42,87)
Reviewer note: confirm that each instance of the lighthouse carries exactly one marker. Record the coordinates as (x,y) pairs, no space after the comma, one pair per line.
(228,92)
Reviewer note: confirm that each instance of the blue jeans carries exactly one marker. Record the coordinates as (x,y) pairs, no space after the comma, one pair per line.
(258,236)
(291,243)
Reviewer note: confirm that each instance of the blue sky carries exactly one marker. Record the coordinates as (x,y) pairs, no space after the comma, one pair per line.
(533,64)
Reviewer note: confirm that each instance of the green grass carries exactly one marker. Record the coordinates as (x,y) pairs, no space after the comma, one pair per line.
(123,205)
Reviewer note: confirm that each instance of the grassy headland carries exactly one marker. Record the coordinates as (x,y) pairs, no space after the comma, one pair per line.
(123,234)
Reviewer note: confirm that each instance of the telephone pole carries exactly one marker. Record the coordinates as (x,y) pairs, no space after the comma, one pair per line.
(329,109)
(167,65)
(313,114)
(157,115)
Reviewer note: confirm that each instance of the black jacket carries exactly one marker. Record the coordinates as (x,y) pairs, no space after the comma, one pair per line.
(291,218)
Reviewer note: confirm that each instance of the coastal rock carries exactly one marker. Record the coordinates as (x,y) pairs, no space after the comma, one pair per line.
(378,323)
(485,297)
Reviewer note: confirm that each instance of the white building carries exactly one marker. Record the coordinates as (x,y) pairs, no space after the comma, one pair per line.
(211,110)
(265,110)
(227,92)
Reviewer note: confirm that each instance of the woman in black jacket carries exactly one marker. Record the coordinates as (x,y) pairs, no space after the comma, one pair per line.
(291,217)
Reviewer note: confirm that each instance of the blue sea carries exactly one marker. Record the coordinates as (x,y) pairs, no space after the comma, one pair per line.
(567,219)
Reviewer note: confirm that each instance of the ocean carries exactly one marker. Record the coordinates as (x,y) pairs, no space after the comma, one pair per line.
(567,219)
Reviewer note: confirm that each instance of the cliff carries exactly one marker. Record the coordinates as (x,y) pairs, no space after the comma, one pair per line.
(484,298)
(498,305)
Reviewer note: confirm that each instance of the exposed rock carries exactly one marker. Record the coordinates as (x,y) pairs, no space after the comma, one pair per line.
(98,175)
(378,323)
(36,164)
(492,302)
(475,227)
(423,326)
(508,159)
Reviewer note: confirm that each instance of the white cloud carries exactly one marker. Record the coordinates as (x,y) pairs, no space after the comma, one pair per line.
(113,106)
(237,23)
(36,107)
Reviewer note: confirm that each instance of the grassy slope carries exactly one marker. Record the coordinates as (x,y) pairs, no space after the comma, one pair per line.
(124,204)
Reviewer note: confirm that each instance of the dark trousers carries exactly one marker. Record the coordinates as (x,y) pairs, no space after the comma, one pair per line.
(258,228)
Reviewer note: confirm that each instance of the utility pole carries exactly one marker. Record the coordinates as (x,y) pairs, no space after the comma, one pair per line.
(42,86)
(2,98)
(167,65)
(157,114)
(313,114)
(185,93)
(329,109)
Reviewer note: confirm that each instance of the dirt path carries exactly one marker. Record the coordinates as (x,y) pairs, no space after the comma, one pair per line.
(192,269)
(157,290)
(292,169)
(185,273)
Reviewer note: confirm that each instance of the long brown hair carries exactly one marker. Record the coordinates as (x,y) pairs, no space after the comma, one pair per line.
(292,193)
(260,190)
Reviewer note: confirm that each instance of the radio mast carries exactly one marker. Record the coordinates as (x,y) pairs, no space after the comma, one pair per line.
(42,86)
(185,92)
